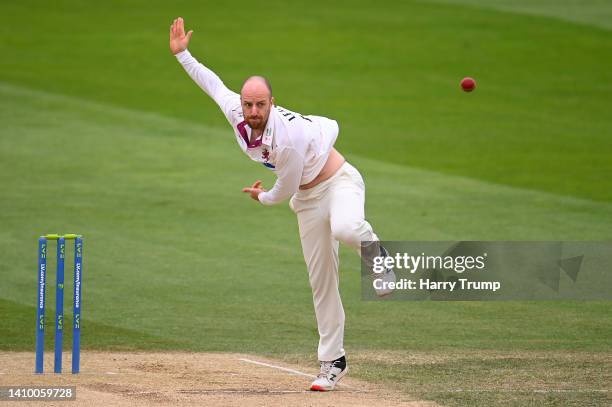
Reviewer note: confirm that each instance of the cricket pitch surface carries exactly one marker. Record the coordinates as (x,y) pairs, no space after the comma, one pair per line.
(186,379)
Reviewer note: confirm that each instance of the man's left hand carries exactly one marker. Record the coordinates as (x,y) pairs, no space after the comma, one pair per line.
(254,190)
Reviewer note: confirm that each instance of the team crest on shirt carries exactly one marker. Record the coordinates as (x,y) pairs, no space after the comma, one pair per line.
(265,154)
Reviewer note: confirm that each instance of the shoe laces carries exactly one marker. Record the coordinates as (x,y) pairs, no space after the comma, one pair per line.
(325,368)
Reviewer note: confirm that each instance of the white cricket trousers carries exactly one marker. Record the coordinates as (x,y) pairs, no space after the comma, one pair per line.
(328,213)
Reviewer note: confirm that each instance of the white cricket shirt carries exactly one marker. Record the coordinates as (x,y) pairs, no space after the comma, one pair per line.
(294,146)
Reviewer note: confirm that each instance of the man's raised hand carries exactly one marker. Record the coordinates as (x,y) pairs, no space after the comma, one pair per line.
(179,41)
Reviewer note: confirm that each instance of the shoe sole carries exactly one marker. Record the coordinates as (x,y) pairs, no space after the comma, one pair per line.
(316,387)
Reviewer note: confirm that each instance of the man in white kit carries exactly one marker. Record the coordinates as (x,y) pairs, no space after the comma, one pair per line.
(327,193)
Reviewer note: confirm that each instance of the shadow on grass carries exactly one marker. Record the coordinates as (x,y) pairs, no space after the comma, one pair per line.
(18,333)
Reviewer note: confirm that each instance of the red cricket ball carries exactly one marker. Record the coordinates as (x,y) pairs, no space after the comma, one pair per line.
(468,84)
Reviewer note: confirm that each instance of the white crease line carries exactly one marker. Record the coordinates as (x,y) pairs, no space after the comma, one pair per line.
(279,368)
(140,393)
(297,372)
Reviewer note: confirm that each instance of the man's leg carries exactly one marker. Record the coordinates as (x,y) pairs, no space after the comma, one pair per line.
(348,224)
(347,210)
(321,256)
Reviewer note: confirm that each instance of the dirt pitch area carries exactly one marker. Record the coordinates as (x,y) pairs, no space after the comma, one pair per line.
(190,379)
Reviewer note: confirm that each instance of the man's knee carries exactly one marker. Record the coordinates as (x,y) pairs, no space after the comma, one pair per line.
(348,232)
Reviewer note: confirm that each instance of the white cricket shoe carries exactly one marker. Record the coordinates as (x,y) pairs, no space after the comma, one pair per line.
(330,375)
(386,276)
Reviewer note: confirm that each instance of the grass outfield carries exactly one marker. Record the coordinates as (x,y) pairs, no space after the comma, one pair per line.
(596,13)
(103,134)
(164,270)
(388,71)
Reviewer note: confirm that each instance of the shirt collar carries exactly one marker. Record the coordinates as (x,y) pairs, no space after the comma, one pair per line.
(268,134)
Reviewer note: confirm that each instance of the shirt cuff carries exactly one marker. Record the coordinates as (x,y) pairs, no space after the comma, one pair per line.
(183,56)
(264,198)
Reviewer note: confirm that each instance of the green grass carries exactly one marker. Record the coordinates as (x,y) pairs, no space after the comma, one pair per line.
(592,12)
(164,269)
(509,381)
(19,336)
(103,134)
(389,72)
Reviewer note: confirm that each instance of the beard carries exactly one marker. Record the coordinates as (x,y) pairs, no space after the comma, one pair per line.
(256,122)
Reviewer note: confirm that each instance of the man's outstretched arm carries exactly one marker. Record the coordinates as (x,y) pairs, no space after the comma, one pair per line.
(204,77)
